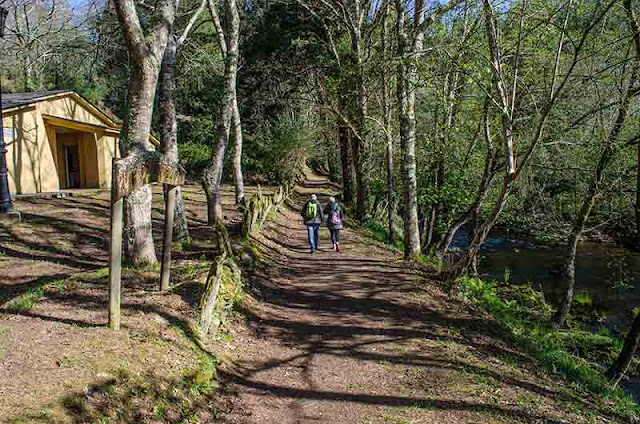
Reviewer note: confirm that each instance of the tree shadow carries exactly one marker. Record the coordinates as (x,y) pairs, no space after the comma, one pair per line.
(374,309)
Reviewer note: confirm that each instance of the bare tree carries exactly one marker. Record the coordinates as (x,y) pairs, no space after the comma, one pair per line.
(212,176)
(146,40)
(167,109)
(39,32)
(503,97)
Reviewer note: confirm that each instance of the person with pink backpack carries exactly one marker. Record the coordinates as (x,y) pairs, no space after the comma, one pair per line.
(335,215)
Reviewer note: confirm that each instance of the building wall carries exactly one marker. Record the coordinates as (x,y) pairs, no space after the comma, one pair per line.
(30,160)
(90,160)
(107,150)
(68,108)
(34,159)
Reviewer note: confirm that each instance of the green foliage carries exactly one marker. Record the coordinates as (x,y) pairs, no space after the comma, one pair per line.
(279,148)
(379,232)
(194,157)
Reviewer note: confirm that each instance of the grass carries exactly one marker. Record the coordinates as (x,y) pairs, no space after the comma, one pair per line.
(575,354)
(27,300)
(131,397)
(379,232)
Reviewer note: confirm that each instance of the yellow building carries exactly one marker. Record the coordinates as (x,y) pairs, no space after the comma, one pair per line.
(57,140)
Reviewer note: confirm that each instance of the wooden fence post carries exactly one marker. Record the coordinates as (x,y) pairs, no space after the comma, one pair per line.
(169,210)
(115,256)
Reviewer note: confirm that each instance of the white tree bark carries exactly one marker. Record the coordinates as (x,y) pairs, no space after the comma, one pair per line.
(212,176)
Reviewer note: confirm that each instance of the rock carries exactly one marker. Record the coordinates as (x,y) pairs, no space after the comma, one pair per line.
(161,320)
(105,376)
(237,248)
(247,259)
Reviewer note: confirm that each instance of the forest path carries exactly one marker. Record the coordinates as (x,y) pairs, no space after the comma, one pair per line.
(359,337)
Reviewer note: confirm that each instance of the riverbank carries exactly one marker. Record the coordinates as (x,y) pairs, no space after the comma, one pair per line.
(519,284)
(577,353)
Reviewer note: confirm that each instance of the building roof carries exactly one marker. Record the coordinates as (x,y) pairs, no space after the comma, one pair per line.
(11,100)
(17,101)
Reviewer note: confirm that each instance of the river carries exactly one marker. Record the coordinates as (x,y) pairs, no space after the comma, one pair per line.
(607,273)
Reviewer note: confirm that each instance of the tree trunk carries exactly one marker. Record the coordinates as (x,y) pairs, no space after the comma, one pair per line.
(362,158)
(363,175)
(346,161)
(606,157)
(616,372)
(224,42)
(480,235)
(237,152)
(487,176)
(145,57)
(212,176)
(386,106)
(139,248)
(406,111)
(134,139)
(169,128)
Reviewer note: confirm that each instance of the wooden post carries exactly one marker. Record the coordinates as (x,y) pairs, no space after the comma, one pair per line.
(115,256)
(170,204)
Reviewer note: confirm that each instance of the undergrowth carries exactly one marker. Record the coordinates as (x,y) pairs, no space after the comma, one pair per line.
(578,355)
(379,232)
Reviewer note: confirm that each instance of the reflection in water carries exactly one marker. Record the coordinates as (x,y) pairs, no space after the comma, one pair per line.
(607,273)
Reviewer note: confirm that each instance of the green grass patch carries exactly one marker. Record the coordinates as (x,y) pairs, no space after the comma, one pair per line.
(28,299)
(574,354)
(379,232)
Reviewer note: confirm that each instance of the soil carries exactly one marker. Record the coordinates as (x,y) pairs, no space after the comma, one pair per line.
(360,337)
(357,336)
(51,352)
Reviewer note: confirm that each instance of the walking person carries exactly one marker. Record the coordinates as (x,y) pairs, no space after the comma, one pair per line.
(313,215)
(335,215)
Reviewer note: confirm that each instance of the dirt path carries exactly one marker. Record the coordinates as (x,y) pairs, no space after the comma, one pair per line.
(356,337)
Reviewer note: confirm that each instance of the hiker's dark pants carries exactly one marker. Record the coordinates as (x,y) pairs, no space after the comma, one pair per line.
(335,236)
(312,232)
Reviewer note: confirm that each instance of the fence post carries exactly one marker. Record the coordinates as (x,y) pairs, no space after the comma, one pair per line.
(169,211)
(115,255)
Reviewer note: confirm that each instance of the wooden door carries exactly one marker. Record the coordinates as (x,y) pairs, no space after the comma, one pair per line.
(72,166)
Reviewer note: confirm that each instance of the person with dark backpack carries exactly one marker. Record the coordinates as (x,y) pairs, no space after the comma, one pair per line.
(335,215)
(313,215)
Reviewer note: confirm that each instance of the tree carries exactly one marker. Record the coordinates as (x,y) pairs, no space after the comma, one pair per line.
(212,175)
(386,112)
(504,96)
(609,150)
(146,40)
(167,110)
(617,370)
(410,34)
(356,19)
(236,123)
